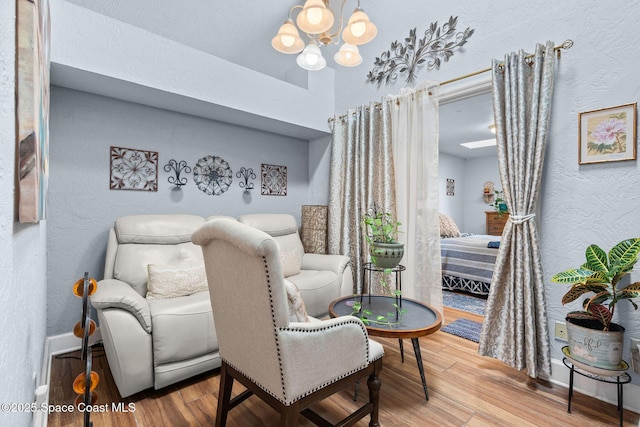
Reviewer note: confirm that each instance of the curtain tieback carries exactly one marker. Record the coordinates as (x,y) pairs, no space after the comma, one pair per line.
(519,219)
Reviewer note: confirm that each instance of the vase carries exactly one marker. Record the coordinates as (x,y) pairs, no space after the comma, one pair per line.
(589,344)
(386,255)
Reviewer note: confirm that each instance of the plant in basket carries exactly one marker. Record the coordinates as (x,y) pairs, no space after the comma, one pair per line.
(593,336)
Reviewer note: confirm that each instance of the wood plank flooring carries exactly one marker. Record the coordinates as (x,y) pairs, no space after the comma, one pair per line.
(465,389)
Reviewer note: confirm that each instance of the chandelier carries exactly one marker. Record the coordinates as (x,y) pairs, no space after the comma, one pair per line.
(316,20)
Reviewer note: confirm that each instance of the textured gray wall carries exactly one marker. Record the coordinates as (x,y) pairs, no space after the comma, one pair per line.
(82,207)
(22,257)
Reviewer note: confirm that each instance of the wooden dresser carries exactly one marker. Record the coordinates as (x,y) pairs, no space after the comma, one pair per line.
(495,222)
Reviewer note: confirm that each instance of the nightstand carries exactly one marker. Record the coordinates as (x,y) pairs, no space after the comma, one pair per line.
(496,222)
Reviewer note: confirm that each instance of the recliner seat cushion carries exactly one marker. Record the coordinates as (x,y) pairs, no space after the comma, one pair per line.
(183,328)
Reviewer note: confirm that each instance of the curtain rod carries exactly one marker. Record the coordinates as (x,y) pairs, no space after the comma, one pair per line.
(567,44)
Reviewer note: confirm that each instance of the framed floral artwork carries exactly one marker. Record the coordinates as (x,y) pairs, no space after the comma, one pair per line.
(133,169)
(607,134)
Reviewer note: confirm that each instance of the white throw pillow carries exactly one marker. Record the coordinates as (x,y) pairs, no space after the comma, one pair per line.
(297,309)
(448,227)
(171,281)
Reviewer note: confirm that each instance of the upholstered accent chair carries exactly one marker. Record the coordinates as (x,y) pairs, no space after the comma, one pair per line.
(289,365)
(320,278)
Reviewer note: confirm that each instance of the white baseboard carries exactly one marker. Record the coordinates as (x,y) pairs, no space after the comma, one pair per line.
(54,345)
(600,390)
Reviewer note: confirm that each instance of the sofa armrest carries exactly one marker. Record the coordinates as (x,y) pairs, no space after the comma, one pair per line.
(335,263)
(304,344)
(112,293)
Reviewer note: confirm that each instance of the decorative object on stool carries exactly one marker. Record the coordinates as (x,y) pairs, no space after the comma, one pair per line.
(86,382)
(246,174)
(314,228)
(600,274)
(178,168)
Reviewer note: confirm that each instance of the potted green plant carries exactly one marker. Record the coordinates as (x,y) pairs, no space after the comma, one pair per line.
(499,203)
(593,337)
(381,233)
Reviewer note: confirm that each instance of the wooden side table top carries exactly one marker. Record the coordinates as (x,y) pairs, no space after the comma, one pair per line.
(418,321)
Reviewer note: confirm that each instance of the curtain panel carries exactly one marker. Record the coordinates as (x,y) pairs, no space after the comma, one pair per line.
(515,329)
(415,133)
(361,174)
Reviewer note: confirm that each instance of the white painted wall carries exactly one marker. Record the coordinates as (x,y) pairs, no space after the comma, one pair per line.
(477,172)
(82,207)
(450,167)
(23,280)
(579,204)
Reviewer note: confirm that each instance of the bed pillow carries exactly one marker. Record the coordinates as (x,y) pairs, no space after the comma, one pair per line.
(171,281)
(448,227)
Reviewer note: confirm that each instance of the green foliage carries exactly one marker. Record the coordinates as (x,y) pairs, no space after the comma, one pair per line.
(499,202)
(380,226)
(600,275)
(367,316)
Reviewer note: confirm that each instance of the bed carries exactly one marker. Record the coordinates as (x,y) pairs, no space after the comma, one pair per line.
(467,259)
(468,262)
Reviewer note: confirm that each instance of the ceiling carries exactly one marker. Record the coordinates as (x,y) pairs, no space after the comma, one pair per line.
(240,31)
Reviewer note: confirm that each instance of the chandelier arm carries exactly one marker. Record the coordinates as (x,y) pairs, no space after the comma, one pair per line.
(297,6)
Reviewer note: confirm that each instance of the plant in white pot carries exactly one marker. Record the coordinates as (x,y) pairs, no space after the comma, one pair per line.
(593,337)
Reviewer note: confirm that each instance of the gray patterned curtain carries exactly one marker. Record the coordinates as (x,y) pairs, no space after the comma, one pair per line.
(361,173)
(515,329)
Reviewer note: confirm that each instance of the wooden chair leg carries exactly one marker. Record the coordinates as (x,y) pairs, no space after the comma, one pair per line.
(289,415)
(224,396)
(374,397)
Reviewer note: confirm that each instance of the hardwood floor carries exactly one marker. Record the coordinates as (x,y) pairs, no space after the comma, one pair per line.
(464,390)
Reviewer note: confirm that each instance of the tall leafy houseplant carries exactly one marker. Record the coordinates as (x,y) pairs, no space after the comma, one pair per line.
(600,276)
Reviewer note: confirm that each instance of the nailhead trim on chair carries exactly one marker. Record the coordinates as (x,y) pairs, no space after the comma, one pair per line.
(273,317)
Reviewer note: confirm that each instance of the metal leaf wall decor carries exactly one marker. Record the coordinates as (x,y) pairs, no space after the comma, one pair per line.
(438,44)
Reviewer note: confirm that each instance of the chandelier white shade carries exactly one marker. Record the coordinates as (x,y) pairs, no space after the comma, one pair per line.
(348,56)
(315,17)
(316,20)
(288,40)
(311,58)
(359,29)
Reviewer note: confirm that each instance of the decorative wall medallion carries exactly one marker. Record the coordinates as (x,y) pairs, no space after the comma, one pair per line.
(274,180)
(133,169)
(436,45)
(212,175)
(450,187)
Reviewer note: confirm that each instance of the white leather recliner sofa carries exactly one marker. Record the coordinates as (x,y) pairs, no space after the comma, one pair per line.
(157,342)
